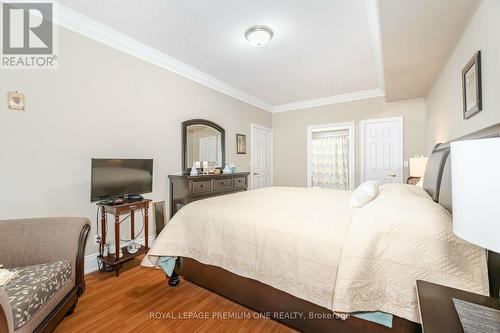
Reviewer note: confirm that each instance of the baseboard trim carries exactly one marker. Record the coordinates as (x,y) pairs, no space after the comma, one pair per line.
(91,259)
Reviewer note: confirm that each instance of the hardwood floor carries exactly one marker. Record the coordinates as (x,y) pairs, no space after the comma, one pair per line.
(133,301)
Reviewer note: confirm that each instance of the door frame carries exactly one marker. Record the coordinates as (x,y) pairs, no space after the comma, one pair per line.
(350,127)
(362,124)
(256,126)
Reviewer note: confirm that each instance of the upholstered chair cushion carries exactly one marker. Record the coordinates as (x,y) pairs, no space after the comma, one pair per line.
(33,287)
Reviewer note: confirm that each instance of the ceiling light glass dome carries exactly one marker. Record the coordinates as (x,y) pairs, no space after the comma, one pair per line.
(259,35)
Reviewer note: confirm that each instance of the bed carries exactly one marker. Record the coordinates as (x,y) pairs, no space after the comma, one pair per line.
(261,250)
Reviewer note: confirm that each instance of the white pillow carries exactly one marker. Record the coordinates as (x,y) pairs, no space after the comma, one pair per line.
(365,193)
(420,183)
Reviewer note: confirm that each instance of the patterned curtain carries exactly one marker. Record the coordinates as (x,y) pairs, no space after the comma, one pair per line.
(330,162)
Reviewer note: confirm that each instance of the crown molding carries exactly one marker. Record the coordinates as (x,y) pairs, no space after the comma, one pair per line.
(373,16)
(73,20)
(311,103)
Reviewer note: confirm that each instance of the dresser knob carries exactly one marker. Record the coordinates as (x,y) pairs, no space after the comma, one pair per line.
(201,185)
(222,183)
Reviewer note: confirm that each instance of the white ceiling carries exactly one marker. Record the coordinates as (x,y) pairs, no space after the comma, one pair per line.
(322,52)
(320,48)
(417,38)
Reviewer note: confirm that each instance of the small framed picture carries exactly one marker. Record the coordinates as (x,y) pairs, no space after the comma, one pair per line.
(15,101)
(241,144)
(471,86)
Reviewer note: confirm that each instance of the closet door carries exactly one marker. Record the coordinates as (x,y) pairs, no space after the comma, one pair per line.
(330,161)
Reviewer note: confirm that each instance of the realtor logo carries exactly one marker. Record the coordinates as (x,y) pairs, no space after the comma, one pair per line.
(28,35)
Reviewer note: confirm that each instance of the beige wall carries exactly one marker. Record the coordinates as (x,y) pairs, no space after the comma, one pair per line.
(100,102)
(290,132)
(444,100)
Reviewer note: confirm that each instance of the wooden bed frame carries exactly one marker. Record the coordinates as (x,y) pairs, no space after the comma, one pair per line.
(273,302)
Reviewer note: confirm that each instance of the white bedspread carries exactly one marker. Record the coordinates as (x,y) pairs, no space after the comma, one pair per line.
(309,243)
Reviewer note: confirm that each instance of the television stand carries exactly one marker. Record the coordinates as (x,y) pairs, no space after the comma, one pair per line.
(115,261)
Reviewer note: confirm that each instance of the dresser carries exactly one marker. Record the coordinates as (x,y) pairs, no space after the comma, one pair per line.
(185,188)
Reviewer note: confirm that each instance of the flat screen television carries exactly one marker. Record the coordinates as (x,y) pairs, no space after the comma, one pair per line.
(120,177)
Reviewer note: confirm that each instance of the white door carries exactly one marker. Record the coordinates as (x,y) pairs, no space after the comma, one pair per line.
(262,156)
(382,150)
(208,149)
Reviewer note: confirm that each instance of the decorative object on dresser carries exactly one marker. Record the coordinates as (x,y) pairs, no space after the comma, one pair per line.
(437,309)
(121,253)
(194,170)
(241,144)
(417,169)
(227,169)
(203,142)
(472,86)
(185,189)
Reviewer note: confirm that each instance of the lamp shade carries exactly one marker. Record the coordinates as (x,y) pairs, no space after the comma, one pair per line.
(475,174)
(417,166)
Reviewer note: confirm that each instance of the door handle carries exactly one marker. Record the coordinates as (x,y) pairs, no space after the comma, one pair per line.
(392,175)
(255,174)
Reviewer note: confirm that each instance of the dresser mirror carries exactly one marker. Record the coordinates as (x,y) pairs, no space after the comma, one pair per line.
(202,141)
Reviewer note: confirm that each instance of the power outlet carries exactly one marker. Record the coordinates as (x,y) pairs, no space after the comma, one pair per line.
(97,239)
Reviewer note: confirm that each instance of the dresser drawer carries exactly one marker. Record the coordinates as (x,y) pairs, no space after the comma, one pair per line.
(220,184)
(202,186)
(240,182)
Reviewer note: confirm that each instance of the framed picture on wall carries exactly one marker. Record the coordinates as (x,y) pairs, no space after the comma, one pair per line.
(15,101)
(241,144)
(471,86)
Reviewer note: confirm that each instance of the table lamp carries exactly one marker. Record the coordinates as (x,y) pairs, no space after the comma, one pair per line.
(417,166)
(475,165)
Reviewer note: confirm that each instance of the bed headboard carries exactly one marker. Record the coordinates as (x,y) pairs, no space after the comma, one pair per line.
(434,170)
(437,182)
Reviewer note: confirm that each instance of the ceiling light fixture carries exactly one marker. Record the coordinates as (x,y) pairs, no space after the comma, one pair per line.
(259,35)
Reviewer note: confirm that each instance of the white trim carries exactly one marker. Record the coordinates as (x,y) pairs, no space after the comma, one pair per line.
(311,103)
(91,259)
(362,124)
(73,20)
(373,16)
(352,145)
(252,127)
